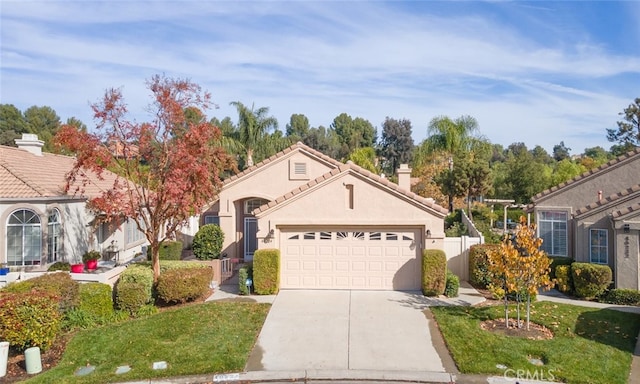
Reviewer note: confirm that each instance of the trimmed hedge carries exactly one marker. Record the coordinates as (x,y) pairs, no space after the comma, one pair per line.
(182,285)
(245,272)
(266,271)
(557,261)
(59,266)
(590,280)
(452,285)
(434,270)
(621,296)
(169,250)
(29,319)
(479,264)
(131,296)
(59,283)
(207,243)
(96,299)
(140,274)
(564,282)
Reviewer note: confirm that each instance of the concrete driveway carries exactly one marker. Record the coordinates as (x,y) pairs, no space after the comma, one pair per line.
(346,330)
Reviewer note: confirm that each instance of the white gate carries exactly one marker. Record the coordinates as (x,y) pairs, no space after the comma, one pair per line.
(457,251)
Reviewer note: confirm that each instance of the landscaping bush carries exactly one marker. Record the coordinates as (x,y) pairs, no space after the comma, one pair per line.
(182,285)
(478,264)
(266,271)
(557,261)
(91,255)
(590,280)
(169,250)
(59,283)
(245,272)
(96,300)
(29,319)
(434,270)
(141,274)
(59,266)
(207,243)
(452,285)
(564,282)
(78,318)
(131,296)
(622,297)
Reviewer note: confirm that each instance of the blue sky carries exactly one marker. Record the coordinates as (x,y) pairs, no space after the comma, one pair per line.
(532,72)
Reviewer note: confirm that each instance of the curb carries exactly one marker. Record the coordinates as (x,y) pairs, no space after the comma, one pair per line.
(309,375)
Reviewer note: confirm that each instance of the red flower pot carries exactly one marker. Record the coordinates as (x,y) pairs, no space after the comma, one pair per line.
(77,268)
(92,264)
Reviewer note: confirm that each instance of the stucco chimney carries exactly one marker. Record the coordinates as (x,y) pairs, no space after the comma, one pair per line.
(30,143)
(404,177)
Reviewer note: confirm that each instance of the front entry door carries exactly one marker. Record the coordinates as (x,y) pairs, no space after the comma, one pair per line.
(250,239)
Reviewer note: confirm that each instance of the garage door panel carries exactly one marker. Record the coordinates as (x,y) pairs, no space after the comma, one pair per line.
(353,259)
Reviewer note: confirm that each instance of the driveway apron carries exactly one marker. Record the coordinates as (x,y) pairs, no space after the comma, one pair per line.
(342,330)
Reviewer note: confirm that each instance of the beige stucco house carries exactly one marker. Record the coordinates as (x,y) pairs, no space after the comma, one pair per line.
(595,218)
(41,224)
(337,225)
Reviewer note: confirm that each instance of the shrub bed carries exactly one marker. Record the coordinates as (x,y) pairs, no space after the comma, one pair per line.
(564,282)
(622,297)
(557,261)
(434,270)
(590,280)
(245,272)
(59,266)
(478,264)
(207,243)
(182,285)
(452,285)
(266,271)
(29,319)
(96,299)
(141,274)
(131,296)
(60,284)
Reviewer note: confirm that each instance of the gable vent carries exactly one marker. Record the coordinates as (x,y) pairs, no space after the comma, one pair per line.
(300,168)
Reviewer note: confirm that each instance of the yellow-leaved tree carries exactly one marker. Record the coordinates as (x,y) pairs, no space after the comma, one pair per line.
(519,267)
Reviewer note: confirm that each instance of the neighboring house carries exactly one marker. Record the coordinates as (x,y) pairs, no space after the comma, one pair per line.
(41,224)
(595,218)
(337,225)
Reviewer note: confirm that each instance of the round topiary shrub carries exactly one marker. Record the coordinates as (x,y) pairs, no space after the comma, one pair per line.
(130,296)
(590,280)
(96,299)
(182,285)
(29,319)
(207,243)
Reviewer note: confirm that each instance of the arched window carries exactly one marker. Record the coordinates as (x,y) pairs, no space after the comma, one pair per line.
(24,238)
(54,239)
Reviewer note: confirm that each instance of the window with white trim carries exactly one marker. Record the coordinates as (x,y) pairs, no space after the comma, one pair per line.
(252,204)
(53,236)
(552,229)
(598,246)
(24,238)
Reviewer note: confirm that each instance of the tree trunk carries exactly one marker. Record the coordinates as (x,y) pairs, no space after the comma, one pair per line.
(469,208)
(528,309)
(506,310)
(155,260)
(249,158)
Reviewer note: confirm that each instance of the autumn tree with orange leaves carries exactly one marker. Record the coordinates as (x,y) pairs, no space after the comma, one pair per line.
(167,169)
(520,267)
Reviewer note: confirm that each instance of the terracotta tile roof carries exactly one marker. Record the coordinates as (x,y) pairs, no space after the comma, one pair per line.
(609,199)
(595,171)
(25,175)
(627,211)
(351,167)
(297,146)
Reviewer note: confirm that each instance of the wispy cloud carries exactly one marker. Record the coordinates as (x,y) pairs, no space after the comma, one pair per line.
(524,77)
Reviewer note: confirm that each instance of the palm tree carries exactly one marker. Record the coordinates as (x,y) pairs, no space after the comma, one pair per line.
(253,127)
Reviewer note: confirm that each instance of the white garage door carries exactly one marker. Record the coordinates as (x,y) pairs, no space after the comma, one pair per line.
(376,259)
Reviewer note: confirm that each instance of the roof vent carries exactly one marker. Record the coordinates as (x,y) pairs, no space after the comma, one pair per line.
(30,143)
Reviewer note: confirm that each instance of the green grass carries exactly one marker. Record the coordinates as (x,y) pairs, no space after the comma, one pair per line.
(198,339)
(589,345)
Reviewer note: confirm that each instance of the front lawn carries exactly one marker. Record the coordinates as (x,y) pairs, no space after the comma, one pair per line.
(589,345)
(197,339)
